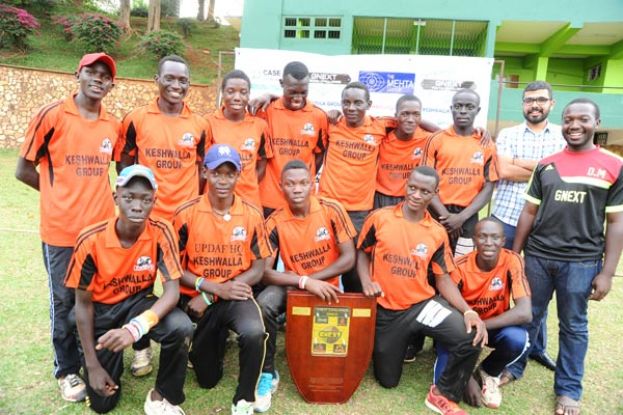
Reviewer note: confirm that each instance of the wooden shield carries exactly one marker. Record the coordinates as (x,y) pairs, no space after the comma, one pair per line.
(329,347)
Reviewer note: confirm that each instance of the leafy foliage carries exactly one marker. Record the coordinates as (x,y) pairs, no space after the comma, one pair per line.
(187,26)
(162,43)
(15,26)
(97,32)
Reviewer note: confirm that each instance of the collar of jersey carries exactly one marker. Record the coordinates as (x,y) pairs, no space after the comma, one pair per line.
(451,132)
(220,115)
(236,207)
(314,207)
(427,220)
(112,240)
(70,106)
(279,105)
(154,109)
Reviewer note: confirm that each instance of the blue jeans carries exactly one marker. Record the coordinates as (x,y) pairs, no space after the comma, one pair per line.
(509,342)
(539,347)
(572,282)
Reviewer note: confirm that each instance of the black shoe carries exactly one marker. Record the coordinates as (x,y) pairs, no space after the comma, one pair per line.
(410,354)
(544,360)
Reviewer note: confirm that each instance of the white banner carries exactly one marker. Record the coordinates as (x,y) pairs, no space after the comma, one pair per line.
(433,79)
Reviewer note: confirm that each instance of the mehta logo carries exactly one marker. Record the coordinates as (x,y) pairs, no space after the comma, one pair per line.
(388,82)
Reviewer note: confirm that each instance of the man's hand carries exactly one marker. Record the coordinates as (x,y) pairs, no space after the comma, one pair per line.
(473,393)
(115,340)
(485,137)
(602,284)
(452,222)
(101,382)
(235,290)
(472,320)
(372,289)
(260,103)
(324,290)
(196,307)
(334,116)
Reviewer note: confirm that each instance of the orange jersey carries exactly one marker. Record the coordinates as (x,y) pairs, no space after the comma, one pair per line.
(463,165)
(248,137)
(214,248)
(310,244)
(489,292)
(297,134)
(402,253)
(73,155)
(349,172)
(113,273)
(396,160)
(172,147)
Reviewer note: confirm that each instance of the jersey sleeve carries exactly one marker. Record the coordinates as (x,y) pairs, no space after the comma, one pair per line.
(490,172)
(534,192)
(367,236)
(273,234)
(441,261)
(519,281)
(265,150)
(430,151)
(82,267)
(614,201)
(127,137)
(39,133)
(323,132)
(340,222)
(202,139)
(168,257)
(180,226)
(259,244)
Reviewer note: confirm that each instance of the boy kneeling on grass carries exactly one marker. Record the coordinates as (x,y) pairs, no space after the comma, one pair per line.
(113,270)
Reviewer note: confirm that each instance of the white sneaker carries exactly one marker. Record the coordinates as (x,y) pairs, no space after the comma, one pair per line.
(242,408)
(263,393)
(141,362)
(491,395)
(72,388)
(162,407)
(274,385)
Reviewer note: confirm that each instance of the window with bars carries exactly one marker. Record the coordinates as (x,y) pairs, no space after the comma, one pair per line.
(310,27)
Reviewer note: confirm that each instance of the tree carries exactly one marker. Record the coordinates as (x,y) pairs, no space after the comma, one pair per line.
(153,16)
(124,15)
(211,11)
(201,13)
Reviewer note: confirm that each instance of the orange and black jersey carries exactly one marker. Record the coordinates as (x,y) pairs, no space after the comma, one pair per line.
(396,160)
(113,273)
(172,147)
(73,155)
(215,248)
(574,191)
(489,292)
(463,165)
(299,134)
(403,254)
(310,244)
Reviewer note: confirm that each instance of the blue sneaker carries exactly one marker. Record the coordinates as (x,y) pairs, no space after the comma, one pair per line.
(275,382)
(263,393)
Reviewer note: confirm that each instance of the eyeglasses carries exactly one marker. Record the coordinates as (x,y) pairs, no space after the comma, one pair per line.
(538,100)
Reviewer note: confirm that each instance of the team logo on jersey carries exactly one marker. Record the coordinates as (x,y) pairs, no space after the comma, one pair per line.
(239,234)
(249,144)
(187,140)
(106,146)
(369,139)
(308,129)
(478,158)
(420,250)
(144,263)
(496,284)
(417,153)
(322,234)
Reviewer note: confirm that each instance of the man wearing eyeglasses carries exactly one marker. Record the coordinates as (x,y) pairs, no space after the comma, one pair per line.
(519,150)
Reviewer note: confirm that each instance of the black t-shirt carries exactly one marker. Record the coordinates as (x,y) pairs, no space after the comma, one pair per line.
(574,191)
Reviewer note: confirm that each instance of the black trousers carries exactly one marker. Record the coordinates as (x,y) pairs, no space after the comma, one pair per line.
(209,341)
(381,200)
(173,332)
(350,279)
(393,333)
(272,300)
(467,229)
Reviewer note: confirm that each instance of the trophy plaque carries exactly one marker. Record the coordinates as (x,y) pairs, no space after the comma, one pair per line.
(329,347)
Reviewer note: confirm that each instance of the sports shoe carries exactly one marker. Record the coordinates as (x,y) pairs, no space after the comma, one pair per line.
(162,407)
(491,395)
(242,408)
(263,393)
(141,362)
(410,354)
(275,383)
(73,388)
(442,405)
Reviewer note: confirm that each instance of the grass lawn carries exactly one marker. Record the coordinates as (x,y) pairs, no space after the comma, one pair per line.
(27,386)
(50,50)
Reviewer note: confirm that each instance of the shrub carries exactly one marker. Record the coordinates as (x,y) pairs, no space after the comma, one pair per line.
(97,32)
(139,11)
(65,22)
(15,26)
(187,26)
(162,43)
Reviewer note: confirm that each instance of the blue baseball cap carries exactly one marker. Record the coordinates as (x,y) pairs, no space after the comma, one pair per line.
(222,153)
(136,170)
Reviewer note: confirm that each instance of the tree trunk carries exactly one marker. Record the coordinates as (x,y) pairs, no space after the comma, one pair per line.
(201,13)
(124,15)
(153,16)
(211,10)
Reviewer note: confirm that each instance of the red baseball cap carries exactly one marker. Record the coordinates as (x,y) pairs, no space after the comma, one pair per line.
(90,58)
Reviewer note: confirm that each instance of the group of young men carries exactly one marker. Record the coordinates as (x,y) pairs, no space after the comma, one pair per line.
(226,209)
